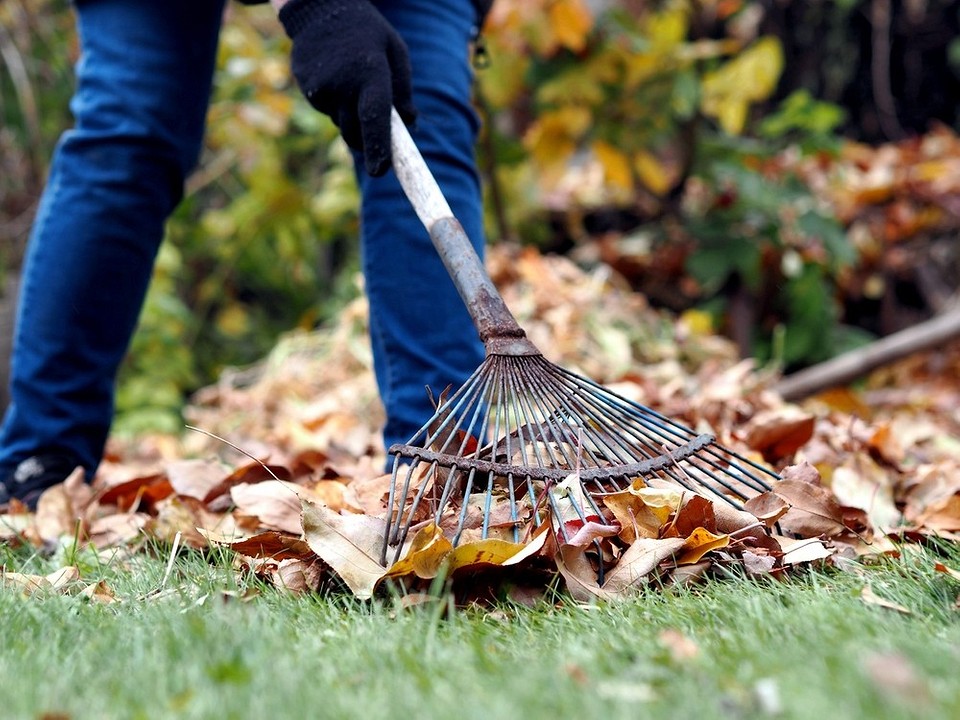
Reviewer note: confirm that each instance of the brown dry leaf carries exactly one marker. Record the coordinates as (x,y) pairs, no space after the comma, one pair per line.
(369,495)
(871,598)
(274,503)
(99,592)
(144,491)
(27,584)
(861,483)
(757,564)
(779,433)
(591,531)
(633,569)
(182,515)
(116,530)
(299,575)
(249,474)
(270,544)
(194,478)
(697,512)
(698,543)
(64,579)
(813,509)
(350,544)
(635,517)
(941,516)
(61,507)
(13,527)
(768,508)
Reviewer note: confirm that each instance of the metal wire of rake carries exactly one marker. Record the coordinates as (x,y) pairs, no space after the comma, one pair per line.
(508,441)
(522,425)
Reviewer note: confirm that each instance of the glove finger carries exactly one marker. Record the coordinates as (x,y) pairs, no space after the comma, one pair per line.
(374,107)
(402,85)
(348,121)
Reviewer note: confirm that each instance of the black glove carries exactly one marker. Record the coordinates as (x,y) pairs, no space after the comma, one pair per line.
(353,66)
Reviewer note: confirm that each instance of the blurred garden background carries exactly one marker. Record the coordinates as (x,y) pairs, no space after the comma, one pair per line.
(782,172)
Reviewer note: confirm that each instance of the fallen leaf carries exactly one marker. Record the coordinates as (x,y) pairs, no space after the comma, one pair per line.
(779,433)
(249,474)
(862,483)
(272,544)
(633,569)
(425,556)
(699,543)
(350,544)
(797,551)
(768,508)
(813,509)
(941,516)
(194,478)
(871,598)
(60,508)
(756,564)
(116,530)
(274,503)
(299,575)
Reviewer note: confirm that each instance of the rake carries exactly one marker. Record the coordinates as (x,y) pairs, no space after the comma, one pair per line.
(524,440)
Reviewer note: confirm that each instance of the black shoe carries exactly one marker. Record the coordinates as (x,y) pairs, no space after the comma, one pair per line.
(34,475)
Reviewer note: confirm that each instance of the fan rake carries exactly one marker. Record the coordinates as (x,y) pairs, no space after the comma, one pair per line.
(524,439)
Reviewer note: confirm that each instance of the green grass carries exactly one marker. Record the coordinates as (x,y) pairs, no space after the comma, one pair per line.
(197,653)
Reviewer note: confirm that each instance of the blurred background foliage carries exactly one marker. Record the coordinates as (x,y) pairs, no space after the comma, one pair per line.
(659,124)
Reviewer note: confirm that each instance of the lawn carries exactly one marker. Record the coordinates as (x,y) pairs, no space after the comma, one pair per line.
(201,642)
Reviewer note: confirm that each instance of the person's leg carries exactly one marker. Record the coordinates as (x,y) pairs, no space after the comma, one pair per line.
(420,330)
(143,86)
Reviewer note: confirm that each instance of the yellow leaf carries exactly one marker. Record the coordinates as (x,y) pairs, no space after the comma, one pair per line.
(427,552)
(699,543)
(666,29)
(749,77)
(571,22)
(651,172)
(554,136)
(616,166)
(697,322)
(483,552)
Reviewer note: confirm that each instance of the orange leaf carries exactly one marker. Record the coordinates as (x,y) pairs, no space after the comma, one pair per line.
(571,22)
(699,543)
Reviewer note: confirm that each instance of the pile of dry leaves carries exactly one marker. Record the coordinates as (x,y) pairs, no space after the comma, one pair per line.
(859,469)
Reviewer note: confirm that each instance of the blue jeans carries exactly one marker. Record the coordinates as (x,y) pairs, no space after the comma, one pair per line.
(143,87)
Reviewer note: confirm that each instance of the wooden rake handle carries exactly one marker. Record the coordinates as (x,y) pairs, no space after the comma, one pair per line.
(497,327)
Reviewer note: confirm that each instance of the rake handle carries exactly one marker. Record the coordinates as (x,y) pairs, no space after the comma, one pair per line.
(498,329)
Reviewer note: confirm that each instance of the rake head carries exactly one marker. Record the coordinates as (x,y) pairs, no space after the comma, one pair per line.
(498,455)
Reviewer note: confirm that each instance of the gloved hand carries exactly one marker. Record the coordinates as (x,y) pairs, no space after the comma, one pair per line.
(351,65)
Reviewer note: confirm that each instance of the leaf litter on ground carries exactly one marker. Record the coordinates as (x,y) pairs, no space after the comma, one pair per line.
(298,493)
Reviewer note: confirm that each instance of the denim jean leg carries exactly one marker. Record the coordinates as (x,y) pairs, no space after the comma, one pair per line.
(143,86)
(421,332)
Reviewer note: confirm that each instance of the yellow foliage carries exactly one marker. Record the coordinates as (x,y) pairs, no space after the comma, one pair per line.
(667,29)
(571,22)
(616,165)
(749,77)
(552,139)
(651,172)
